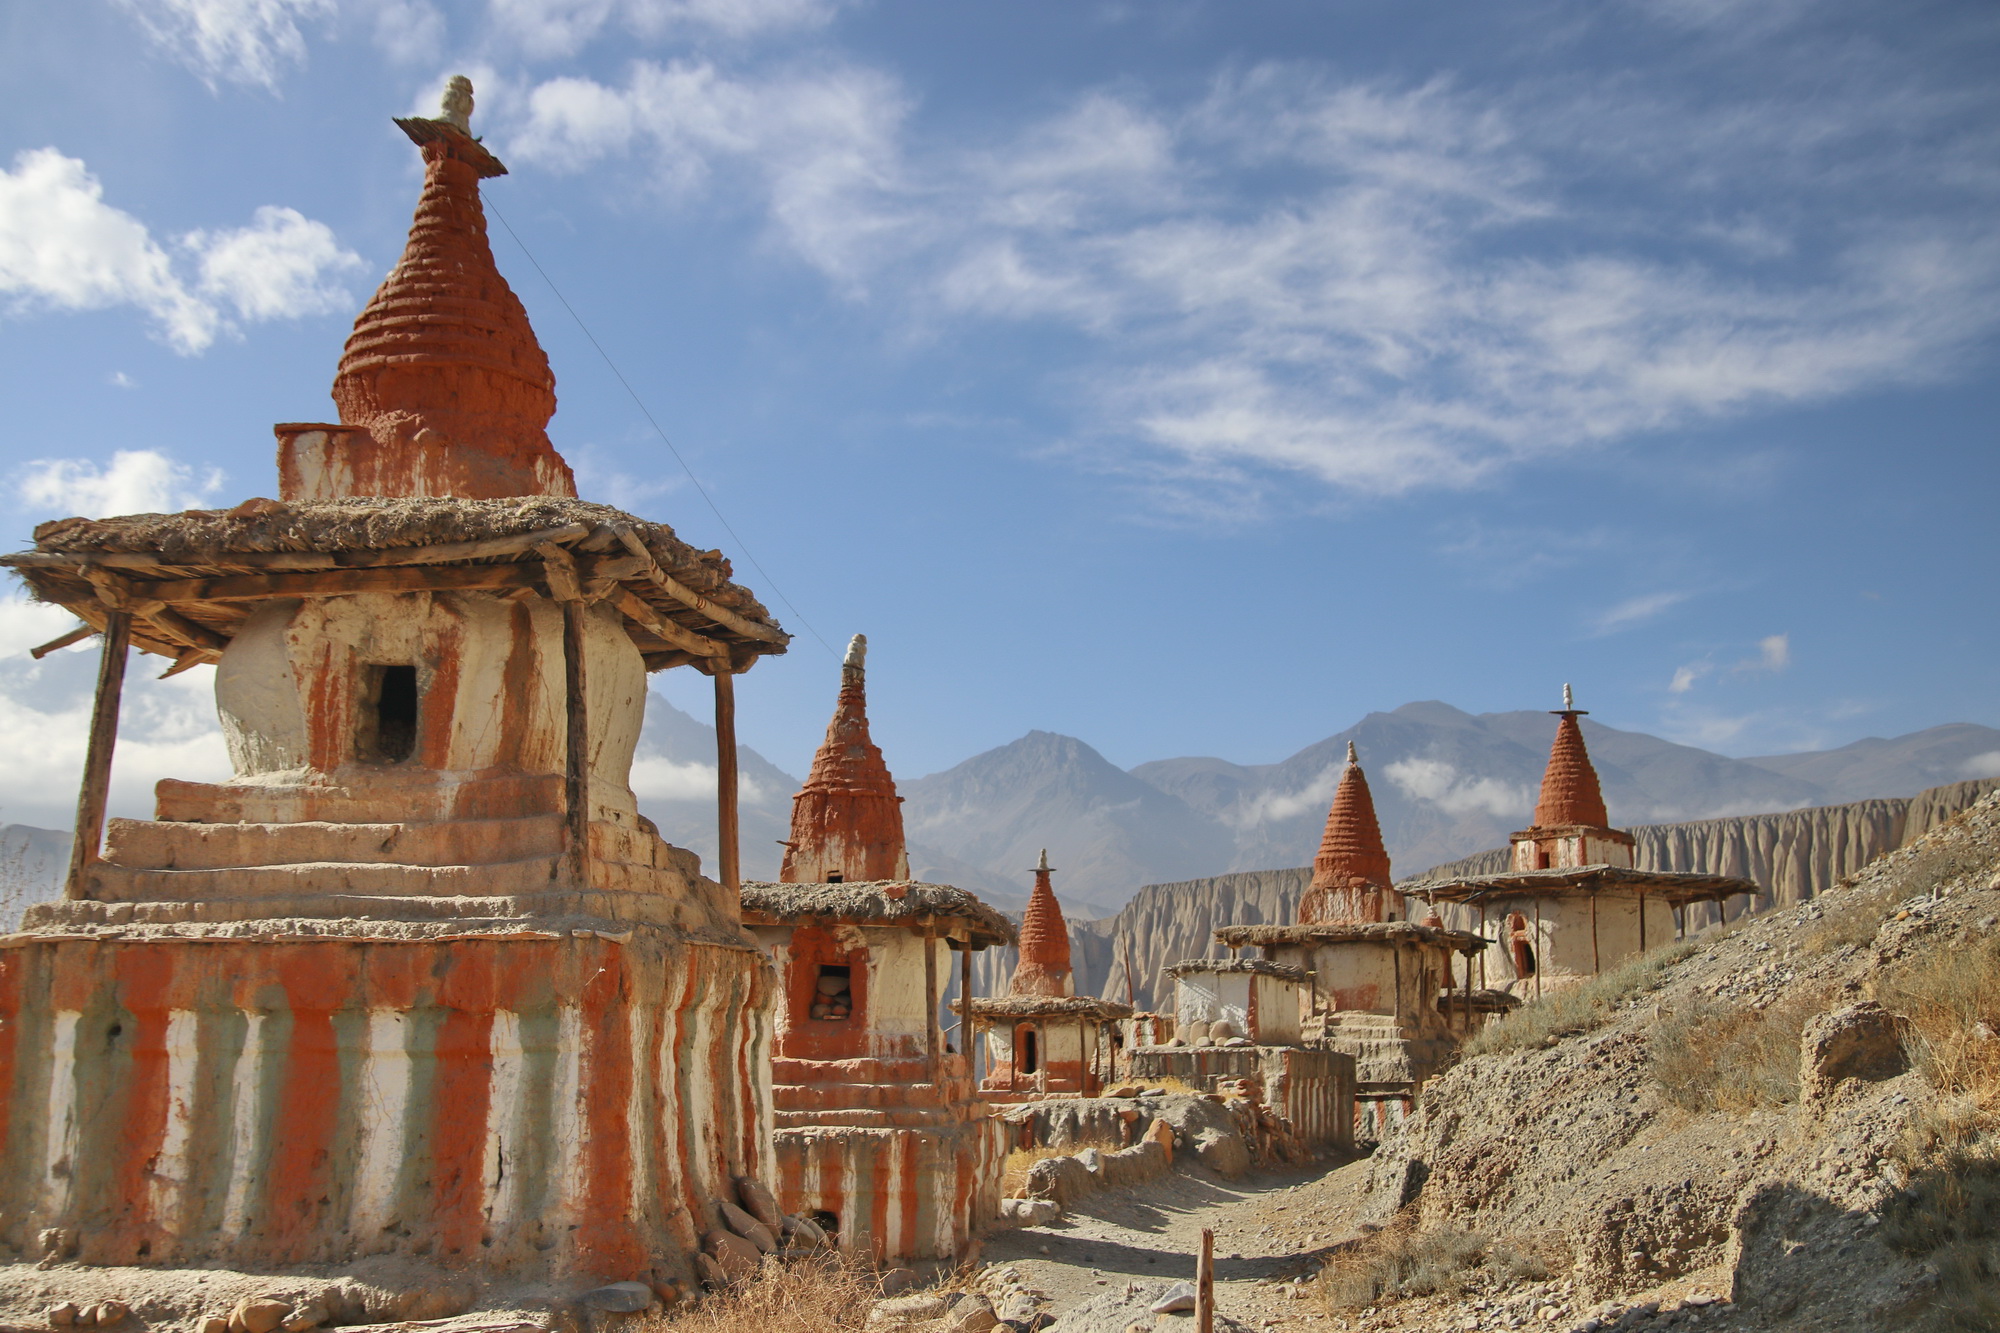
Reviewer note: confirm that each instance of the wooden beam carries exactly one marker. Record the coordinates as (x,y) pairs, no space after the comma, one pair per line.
(931,1001)
(725,783)
(685,639)
(485,548)
(337,583)
(177,626)
(965,1001)
(77,635)
(96,787)
(693,600)
(576,752)
(1204,1284)
(559,568)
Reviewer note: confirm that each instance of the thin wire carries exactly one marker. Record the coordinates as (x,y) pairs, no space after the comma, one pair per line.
(639,402)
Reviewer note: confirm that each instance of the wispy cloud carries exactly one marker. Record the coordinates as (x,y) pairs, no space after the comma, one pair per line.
(63,248)
(135,481)
(1637,610)
(1443,785)
(1773,655)
(235,41)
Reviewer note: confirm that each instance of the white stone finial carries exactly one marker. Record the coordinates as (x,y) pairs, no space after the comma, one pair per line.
(456,106)
(1352,758)
(1043,864)
(1569,702)
(857,651)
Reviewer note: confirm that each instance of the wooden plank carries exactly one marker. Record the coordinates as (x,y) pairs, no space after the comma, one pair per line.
(725,782)
(177,626)
(96,786)
(576,752)
(965,1002)
(338,583)
(77,635)
(685,639)
(559,568)
(693,600)
(1204,1284)
(931,1053)
(485,548)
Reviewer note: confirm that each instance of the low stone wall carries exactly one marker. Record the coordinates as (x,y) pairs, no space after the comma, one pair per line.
(1310,1090)
(896,1194)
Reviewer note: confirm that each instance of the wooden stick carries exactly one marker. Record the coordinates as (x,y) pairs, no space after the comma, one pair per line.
(685,639)
(336,583)
(693,600)
(576,758)
(77,635)
(96,789)
(1204,1284)
(965,1001)
(1595,966)
(931,1000)
(725,782)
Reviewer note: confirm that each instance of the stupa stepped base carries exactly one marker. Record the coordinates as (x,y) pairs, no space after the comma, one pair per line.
(536,1104)
(1385,1048)
(920,1192)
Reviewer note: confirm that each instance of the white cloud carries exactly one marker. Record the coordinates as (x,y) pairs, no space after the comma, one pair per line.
(655,777)
(1443,785)
(1982,765)
(137,481)
(241,41)
(1774,653)
(1275,807)
(63,248)
(1685,677)
(166,728)
(552,29)
(1638,610)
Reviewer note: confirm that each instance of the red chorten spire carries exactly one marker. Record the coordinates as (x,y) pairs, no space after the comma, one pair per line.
(443,370)
(847,821)
(1570,794)
(1044,966)
(1350,880)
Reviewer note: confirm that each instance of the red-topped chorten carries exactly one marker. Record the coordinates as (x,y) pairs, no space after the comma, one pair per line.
(1350,882)
(443,389)
(1572,827)
(847,821)
(1044,967)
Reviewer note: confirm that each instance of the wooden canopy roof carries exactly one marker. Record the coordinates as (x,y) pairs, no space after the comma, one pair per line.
(1349,932)
(878,903)
(190,580)
(1677,887)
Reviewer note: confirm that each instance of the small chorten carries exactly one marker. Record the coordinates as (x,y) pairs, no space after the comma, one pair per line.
(1044,968)
(1572,826)
(443,389)
(1350,882)
(847,820)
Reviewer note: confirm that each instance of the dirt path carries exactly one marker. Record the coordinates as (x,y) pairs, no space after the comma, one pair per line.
(1269,1226)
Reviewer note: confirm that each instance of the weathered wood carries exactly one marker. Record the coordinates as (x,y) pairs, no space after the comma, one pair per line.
(685,639)
(1595,967)
(1204,1284)
(576,756)
(725,782)
(177,626)
(61,641)
(931,1052)
(559,567)
(338,583)
(965,1002)
(189,660)
(693,600)
(1540,962)
(96,787)
(304,560)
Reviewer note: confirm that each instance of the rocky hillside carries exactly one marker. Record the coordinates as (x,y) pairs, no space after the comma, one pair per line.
(1801,1112)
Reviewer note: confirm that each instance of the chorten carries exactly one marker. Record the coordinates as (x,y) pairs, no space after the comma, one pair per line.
(417,979)
(1377,982)
(1042,1037)
(1572,902)
(880,1138)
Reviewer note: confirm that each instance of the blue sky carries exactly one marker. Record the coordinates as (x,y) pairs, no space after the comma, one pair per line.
(1188,377)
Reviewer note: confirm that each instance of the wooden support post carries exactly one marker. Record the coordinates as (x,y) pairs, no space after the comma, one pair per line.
(931,1001)
(1595,966)
(1484,950)
(96,788)
(1541,963)
(1396,953)
(1204,1284)
(576,761)
(725,780)
(965,1004)
(1642,923)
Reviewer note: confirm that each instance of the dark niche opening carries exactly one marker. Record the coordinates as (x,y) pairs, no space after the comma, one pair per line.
(836,877)
(388,714)
(833,993)
(1028,1059)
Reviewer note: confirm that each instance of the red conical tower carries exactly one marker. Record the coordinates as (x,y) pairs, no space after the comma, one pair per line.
(1570,796)
(847,821)
(442,376)
(1044,967)
(1350,882)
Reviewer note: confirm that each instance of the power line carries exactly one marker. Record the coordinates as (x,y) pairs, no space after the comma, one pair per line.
(640,403)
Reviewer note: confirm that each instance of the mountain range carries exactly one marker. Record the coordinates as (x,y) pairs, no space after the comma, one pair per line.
(1447,784)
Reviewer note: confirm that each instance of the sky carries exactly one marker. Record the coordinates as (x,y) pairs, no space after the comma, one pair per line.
(1192,378)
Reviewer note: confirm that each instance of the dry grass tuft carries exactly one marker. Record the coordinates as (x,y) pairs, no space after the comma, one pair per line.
(1949,1212)
(1719,1058)
(1014,1177)
(1580,1008)
(1168,1083)
(1397,1262)
(812,1295)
